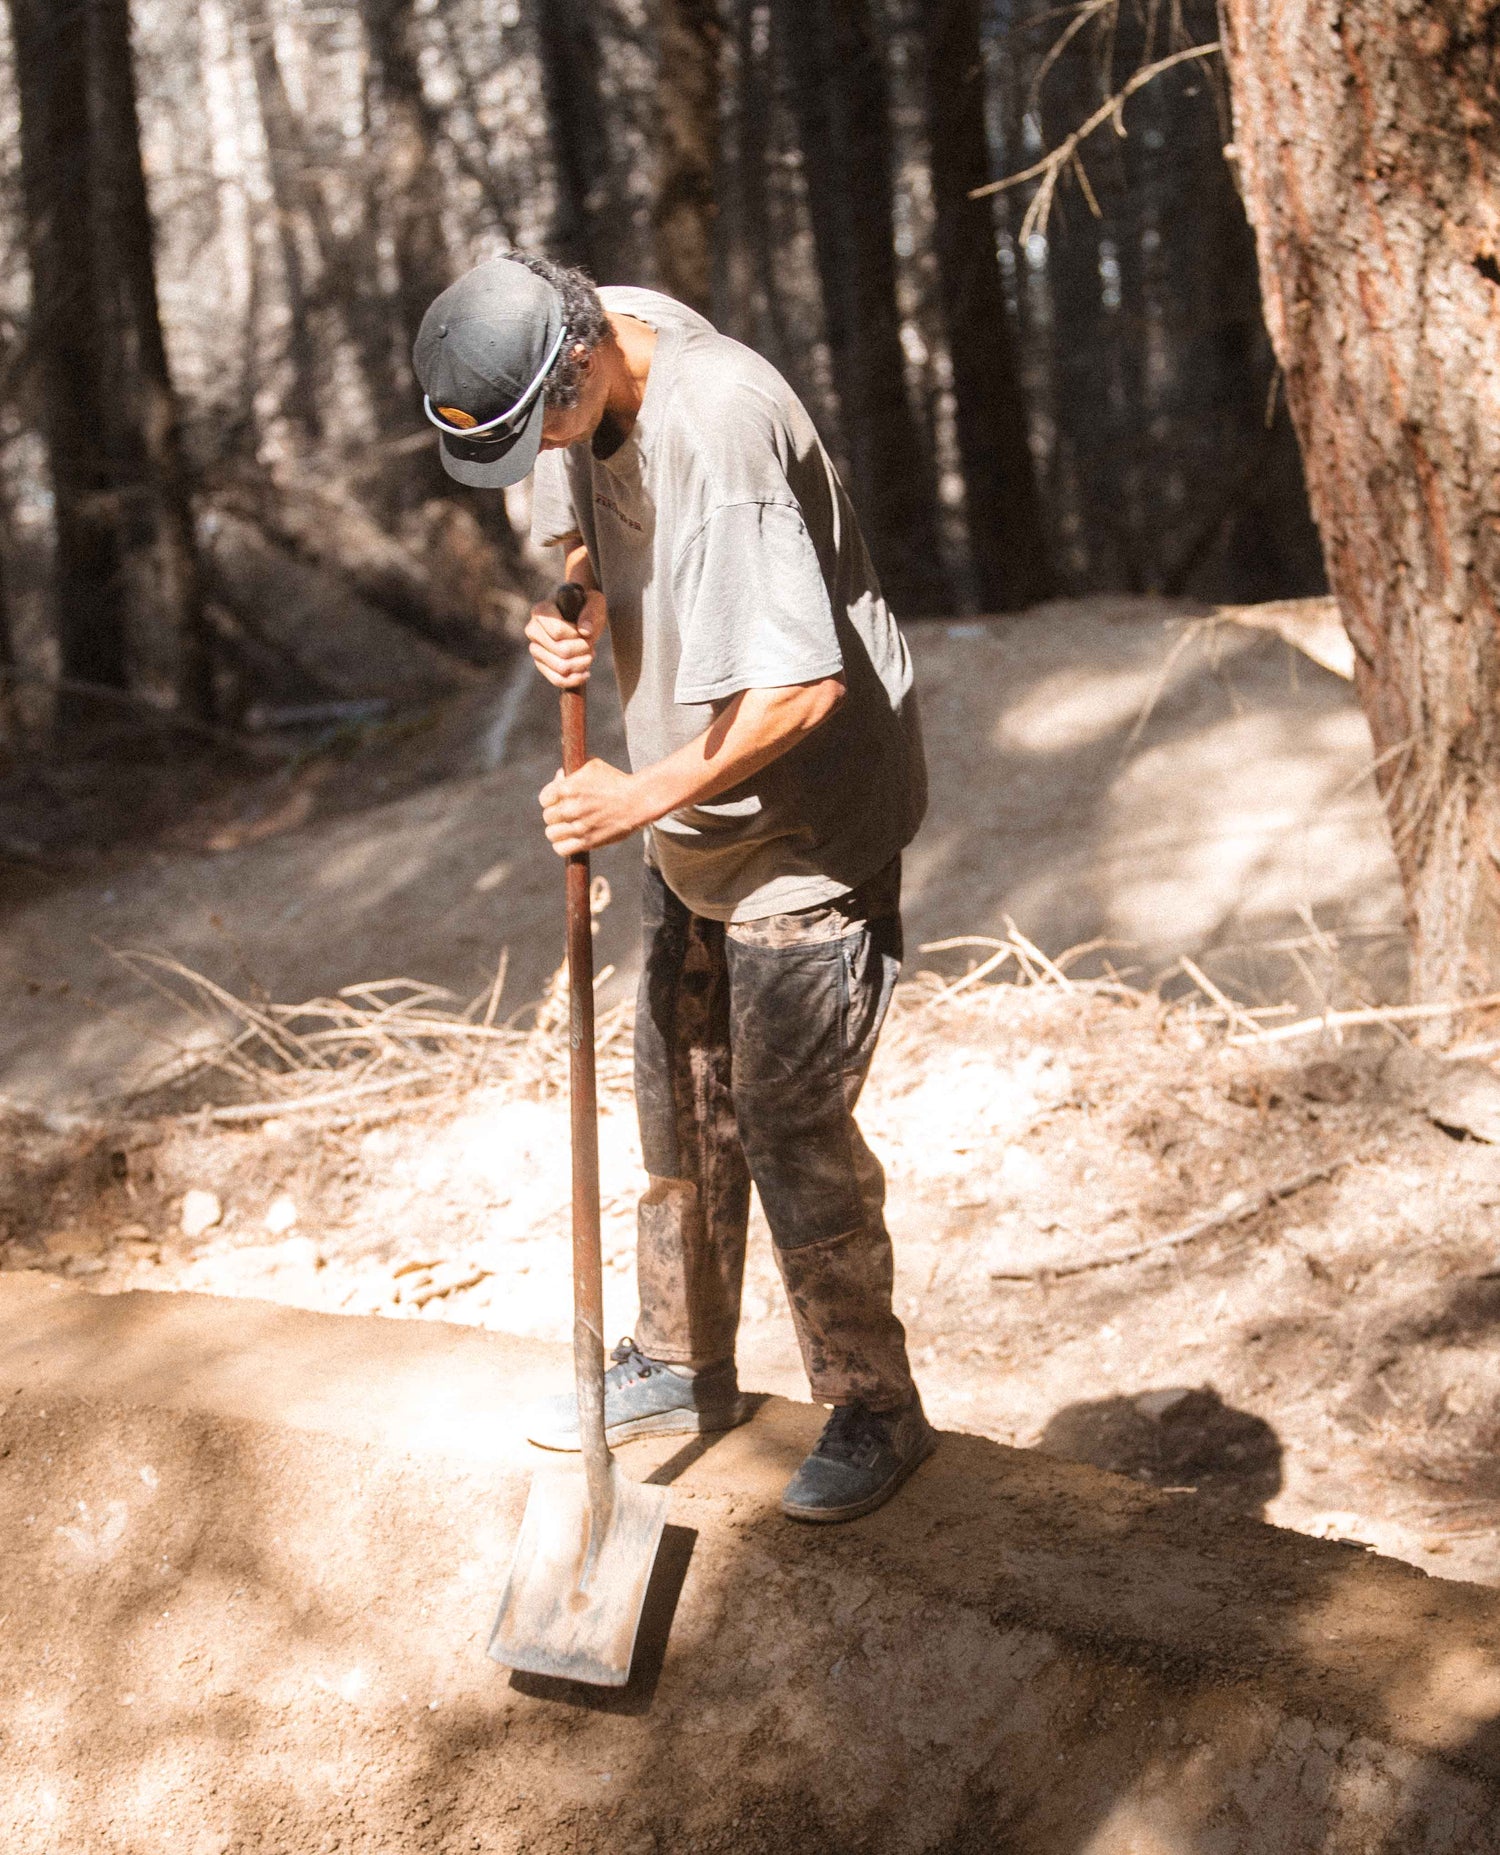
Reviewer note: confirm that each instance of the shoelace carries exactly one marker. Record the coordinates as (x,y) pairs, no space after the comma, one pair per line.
(854,1434)
(629,1355)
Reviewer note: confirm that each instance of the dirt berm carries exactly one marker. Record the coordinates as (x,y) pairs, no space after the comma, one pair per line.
(251,1556)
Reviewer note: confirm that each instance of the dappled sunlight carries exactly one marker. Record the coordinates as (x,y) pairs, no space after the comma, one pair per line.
(1079,706)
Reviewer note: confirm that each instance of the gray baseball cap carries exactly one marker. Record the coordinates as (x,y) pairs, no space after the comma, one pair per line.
(484,351)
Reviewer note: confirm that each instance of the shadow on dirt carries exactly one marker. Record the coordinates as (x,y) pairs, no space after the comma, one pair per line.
(1177,1439)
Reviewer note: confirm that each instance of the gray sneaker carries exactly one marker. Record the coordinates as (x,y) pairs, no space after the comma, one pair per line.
(860,1460)
(643,1397)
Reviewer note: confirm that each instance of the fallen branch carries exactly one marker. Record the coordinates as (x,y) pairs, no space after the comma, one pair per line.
(1065,155)
(1235,1210)
(1235,1013)
(297,1104)
(1367,1014)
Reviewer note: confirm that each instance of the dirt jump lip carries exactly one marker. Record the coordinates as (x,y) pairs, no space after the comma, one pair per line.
(256,1552)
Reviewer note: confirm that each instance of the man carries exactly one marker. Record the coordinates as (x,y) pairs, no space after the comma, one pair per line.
(777,772)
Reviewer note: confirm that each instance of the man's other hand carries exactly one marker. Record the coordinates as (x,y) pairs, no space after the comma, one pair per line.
(595,806)
(564,653)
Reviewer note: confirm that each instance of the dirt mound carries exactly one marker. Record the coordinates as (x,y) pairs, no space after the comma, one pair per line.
(257,1553)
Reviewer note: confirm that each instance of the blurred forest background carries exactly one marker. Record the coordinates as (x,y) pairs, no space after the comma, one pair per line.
(223,219)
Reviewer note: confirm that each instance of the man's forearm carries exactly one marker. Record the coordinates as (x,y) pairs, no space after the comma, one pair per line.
(752,729)
(577,566)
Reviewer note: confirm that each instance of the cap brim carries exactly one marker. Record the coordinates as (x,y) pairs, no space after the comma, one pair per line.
(494,467)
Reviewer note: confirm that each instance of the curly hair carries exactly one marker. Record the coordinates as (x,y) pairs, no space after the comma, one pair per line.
(588,325)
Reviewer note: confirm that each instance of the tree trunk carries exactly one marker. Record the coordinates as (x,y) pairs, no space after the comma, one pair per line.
(834,64)
(52,71)
(1007,539)
(158,547)
(688,36)
(294,204)
(588,223)
(1368,141)
(413,184)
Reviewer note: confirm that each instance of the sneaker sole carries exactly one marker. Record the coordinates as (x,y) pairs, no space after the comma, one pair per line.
(668,1423)
(831,1516)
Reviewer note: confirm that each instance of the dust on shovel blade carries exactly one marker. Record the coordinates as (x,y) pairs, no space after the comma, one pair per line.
(568,1612)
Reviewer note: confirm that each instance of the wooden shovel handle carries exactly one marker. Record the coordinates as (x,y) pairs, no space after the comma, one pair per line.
(588,1267)
(570,599)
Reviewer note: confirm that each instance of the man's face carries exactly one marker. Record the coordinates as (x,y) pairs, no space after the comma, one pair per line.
(574,424)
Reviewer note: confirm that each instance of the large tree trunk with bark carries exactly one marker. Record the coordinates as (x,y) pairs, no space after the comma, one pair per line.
(51,42)
(1368,143)
(1007,538)
(835,67)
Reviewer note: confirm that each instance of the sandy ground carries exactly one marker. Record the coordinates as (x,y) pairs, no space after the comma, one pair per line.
(1112,768)
(1110,771)
(253,1555)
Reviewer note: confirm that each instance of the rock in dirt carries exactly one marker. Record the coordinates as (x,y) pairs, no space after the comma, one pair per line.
(200,1211)
(1334,1083)
(1466,1100)
(281,1214)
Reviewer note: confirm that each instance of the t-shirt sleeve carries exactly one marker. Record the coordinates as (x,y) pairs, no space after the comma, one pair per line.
(552,514)
(753,606)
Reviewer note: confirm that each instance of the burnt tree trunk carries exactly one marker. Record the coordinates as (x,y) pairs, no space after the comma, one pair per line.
(52,73)
(1368,142)
(152,490)
(834,65)
(688,37)
(1007,537)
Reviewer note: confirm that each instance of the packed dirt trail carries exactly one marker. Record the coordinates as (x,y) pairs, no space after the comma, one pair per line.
(258,1574)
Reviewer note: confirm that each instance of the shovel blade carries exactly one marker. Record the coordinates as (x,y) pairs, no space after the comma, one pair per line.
(569,1611)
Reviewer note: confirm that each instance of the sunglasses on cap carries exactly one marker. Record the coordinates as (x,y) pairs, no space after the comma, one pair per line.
(502,426)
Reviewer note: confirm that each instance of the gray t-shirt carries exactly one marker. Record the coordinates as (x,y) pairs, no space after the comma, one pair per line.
(730,559)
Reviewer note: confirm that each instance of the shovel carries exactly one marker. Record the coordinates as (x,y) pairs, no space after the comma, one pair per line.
(588,1542)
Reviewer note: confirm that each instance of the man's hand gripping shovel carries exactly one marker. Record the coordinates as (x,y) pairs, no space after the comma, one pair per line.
(588,1542)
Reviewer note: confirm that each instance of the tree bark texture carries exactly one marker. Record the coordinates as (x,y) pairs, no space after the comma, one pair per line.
(688,39)
(835,69)
(51,42)
(1007,537)
(151,486)
(1368,142)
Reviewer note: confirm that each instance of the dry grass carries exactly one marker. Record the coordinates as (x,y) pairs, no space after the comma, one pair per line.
(370,1049)
(380,1046)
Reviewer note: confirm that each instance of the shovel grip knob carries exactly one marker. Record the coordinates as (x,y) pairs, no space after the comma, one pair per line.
(570,599)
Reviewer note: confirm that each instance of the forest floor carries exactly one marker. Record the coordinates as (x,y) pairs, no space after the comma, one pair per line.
(1320,1341)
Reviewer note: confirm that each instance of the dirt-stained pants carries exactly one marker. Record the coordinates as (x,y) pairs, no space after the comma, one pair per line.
(751,1045)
